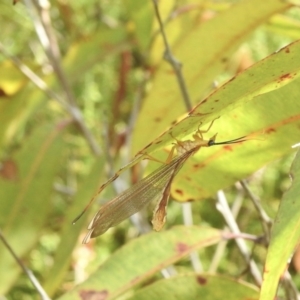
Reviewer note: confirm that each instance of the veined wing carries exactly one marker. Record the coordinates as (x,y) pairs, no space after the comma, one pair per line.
(137,197)
(160,211)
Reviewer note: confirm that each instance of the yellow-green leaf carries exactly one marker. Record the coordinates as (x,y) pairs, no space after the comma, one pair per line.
(142,258)
(285,235)
(25,199)
(70,233)
(194,287)
(204,51)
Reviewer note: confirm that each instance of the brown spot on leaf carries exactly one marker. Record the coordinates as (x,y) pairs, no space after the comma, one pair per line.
(180,192)
(190,200)
(287,50)
(93,295)
(157,119)
(181,247)
(9,170)
(227,148)
(217,100)
(270,130)
(201,280)
(285,76)
(198,166)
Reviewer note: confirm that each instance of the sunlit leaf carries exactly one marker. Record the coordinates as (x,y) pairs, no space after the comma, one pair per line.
(204,51)
(69,233)
(193,286)
(259,102)
(127,268)
(25,201)
(285,235)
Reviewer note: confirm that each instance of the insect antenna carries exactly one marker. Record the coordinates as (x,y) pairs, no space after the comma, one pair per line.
(212,142)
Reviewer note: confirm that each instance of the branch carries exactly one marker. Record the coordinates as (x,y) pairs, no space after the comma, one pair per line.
(221,247)
(42,85)
(265,219)
(28,272)
(177,66)
(174,62)
(42,24)
(286,280)
(223,207)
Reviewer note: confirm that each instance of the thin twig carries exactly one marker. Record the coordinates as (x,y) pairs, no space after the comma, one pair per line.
(265,219)
(28,272)
(52,50)
(219,253)
(188,221)
(286,280)
(242,235)
(223,207)
(43,27)
(175,63)
(42,85)
(289,286)
(177,66)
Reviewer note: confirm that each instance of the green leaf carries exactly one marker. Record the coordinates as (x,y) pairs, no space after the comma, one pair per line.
(285,235)
(85,53)
(140,16)
(204,51)
(25,200)
(193,286)
(14,114)
(81,57)
(284,25)
(251,104)
(142,258)
(259,103)
(69,234)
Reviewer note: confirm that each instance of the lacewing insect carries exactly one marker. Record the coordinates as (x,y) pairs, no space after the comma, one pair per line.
(155,186)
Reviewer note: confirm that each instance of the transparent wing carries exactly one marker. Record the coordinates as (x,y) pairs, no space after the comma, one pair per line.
(136,197)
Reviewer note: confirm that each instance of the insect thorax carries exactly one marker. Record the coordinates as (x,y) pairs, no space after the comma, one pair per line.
(185,146)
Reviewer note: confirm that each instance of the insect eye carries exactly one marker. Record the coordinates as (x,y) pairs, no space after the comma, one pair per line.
(211,143)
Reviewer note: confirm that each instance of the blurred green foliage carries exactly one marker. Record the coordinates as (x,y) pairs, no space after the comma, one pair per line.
(111,56)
